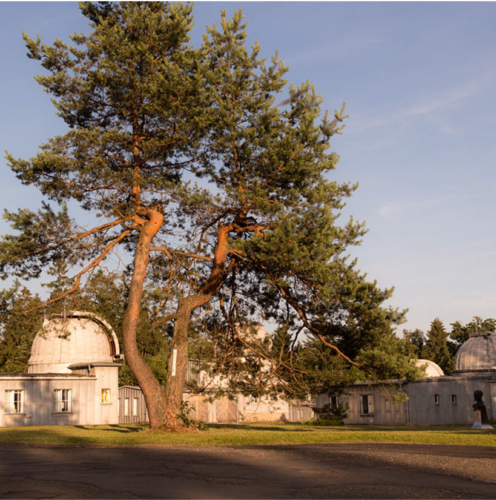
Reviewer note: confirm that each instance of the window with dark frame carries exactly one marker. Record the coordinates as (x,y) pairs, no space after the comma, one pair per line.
(436,399)
(62,401)
(453,399)
(367,404)
(14,401)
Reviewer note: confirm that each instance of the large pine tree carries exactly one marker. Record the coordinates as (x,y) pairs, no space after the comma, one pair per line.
(147,114)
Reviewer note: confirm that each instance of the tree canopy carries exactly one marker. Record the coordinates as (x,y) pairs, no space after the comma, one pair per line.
(461,333)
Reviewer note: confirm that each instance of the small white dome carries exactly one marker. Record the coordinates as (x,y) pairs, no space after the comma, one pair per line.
(78,338)
(477,354)
(431,369)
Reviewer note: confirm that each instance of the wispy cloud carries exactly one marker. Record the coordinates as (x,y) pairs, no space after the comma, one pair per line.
(430,108)
(399,206)
(477,304)
(452,96)
(482,255)
(342,49)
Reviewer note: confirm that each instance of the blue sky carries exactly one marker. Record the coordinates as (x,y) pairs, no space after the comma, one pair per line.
(419,81)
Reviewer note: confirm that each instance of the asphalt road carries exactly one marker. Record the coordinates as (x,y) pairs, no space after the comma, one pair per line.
(304,471)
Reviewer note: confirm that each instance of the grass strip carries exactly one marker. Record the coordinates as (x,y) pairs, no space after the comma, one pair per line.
(246,435)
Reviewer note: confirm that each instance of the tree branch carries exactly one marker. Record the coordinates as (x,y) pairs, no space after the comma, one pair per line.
(79,275)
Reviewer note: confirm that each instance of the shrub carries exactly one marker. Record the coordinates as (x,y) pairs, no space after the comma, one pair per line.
(185,417)
(329,415)
(327,420)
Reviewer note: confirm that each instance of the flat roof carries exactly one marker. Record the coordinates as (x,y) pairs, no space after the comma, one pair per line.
(45,375)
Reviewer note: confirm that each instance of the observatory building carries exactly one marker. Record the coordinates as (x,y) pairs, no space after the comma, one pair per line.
(434,400)
(72,376)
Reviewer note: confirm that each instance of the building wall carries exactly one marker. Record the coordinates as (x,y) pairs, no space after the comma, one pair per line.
(262,409)
(131,393)
(425,411)
(385,411)
(39,406)
(222,410)
(107,377)
(432,401)
(86,405)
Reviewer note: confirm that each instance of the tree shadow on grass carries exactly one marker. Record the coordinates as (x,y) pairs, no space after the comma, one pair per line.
(126,429)
(257,428)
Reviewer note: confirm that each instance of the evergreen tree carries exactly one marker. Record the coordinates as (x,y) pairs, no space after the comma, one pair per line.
(257,235)
(17,330)
(416,338)
(271,220)
(460,333)
(436,347)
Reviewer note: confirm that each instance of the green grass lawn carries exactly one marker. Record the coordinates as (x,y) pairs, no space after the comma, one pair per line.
(246,435)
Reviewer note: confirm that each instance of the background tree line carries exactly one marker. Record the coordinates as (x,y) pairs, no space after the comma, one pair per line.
(440,345)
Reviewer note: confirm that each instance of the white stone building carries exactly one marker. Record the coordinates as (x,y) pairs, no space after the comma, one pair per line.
(72,376)
(434,400)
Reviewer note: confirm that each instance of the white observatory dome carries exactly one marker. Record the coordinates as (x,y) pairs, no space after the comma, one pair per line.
(431,369)
(477,354)
(77,338)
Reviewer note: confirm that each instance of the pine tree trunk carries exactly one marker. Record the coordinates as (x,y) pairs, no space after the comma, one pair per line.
(178,361)
(152,390)
(178,364)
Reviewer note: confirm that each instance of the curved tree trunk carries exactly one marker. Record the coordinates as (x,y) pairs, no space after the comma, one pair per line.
(152,390)
(178,361)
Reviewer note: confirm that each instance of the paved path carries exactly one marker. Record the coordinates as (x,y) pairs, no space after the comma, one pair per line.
(305,471)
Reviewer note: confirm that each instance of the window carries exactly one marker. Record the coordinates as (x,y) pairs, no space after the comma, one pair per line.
(453,399)
(14,401)
(126,407)
(334,402)
(106,396)
(389,405)
(436,399)
(367,405)
(62,400)
(135,407)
